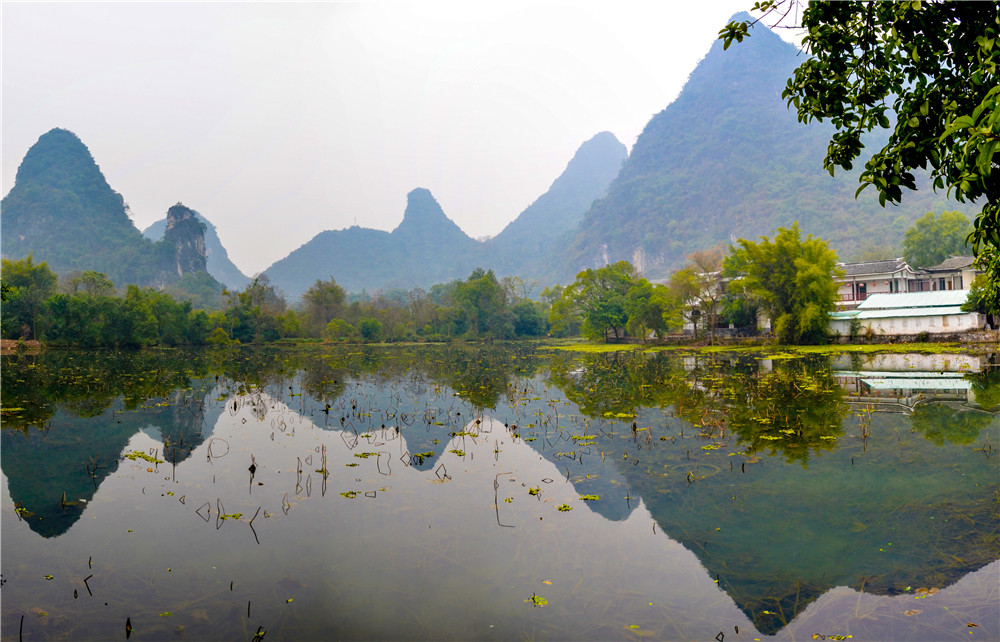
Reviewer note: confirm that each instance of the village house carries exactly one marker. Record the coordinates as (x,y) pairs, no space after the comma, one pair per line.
(909,314)
(862,280)
(954,273)
(886,297)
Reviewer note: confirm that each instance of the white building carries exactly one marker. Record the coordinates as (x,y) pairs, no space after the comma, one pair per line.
(892,276)
(862,280)
(908,314)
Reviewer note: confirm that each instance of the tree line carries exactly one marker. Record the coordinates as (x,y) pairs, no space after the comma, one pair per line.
(790,280)
(86,310)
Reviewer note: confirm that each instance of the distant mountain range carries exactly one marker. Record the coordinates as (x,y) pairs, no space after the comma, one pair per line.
(725,160)
(427,247)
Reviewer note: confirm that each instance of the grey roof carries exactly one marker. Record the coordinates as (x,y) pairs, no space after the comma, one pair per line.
(898,301)
(874,267)
(952,263)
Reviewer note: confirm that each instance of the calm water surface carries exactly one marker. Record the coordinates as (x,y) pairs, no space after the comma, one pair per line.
(499,492)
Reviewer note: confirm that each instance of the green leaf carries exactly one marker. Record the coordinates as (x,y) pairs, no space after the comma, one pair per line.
(962,122)
(985,159)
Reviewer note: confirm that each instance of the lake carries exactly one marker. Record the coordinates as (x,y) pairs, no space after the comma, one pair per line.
(501,491)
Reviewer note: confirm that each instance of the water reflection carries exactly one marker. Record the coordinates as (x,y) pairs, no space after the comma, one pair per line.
(359,478)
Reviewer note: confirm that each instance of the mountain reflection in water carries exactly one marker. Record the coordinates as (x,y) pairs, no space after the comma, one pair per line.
(415,493)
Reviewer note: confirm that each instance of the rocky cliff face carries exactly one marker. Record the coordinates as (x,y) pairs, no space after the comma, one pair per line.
(187,236)
(218,265)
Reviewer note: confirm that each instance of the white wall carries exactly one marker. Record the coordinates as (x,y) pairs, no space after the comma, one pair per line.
(910,326)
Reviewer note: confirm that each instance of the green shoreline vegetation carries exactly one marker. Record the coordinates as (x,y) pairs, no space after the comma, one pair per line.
(613,308)
(789,281)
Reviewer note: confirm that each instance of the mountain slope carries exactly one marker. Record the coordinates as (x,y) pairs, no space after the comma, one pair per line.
(426,248)
(530,245)
(727,159)
(219,264)
(62,211)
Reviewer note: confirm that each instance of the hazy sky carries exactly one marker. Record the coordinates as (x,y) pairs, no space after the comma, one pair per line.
(279,121)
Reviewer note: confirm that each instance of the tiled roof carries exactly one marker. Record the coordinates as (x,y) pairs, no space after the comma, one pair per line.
(874,267)
(952,263)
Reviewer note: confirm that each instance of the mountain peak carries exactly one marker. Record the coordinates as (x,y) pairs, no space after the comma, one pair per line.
(600,146)
(421,209)
(59,159)
(424,217)
(426,248)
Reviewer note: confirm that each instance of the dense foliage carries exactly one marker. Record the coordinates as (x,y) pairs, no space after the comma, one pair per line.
(932,239)
(791,279)
(86,310)
(984,295)
(614,302)
(933,65)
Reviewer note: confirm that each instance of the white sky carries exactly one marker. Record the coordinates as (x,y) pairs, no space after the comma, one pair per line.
(279,121)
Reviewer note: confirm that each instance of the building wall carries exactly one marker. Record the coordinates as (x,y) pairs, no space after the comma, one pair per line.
(910,326)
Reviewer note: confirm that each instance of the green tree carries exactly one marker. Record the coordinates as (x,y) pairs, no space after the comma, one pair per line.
(322,302)
(528,319)
(133,323)
(984,295)
(792,280)
(685,286)
(931,239)
(699,286)
(28,285)
(337,329)
(484,300)
(651,308)
(933,65)
(255,312)
(370,329)
(92,283)
(600,298)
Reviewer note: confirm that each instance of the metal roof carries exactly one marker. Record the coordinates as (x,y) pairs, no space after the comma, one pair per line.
(954,383)
(904,300)
(899,374)
(943,310)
